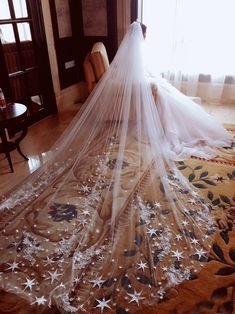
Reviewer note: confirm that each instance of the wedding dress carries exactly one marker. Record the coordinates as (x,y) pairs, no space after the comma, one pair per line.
(108,224)
(188,128)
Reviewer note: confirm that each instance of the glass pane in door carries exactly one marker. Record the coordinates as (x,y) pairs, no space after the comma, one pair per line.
(26,45)
(10,49)
(20,8)
(7,34)
(4,12)
(24,31)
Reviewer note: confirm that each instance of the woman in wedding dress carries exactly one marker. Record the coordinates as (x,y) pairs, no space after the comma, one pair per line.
(189,129)
(108,224)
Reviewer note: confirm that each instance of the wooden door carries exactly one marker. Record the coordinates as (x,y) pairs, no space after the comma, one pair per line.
(25,73)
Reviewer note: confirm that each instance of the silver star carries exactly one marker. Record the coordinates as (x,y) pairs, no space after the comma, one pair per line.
(186,211)
(164,268)
(142,265)
(178,237)
(184,222)
(81,307)
(86,212)
(194,241)
(40,300)
(53,276)
(97,282)
(85,188)
(13,266)
(76,280)
(29,284)
(102,304)
(48,261)
(135,297)
(157,205)
(151,231)
(200,253)
(83,222)
(177,254)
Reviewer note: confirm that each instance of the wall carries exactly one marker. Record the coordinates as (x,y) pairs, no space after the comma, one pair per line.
(74,93)
(123,18)
(78,92)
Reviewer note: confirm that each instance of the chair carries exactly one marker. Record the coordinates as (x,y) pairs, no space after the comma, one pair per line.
(96,63)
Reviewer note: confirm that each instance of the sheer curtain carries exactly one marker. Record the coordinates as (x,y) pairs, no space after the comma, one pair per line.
(190,42)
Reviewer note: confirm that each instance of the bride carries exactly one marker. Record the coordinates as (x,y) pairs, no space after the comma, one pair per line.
(108,224)
(188,128)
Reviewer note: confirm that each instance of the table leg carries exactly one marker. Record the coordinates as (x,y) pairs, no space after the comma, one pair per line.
(18,140)
(5,147)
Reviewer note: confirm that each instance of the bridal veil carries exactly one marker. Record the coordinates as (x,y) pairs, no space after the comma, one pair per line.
(108,224)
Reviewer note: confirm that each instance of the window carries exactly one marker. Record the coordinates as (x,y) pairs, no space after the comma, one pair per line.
(191,36)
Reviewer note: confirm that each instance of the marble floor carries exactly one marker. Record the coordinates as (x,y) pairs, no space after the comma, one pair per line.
(43,134)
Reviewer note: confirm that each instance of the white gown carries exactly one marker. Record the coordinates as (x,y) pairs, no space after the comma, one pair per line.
(188,128)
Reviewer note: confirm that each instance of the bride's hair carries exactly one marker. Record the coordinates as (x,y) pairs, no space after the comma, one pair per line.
(144,29)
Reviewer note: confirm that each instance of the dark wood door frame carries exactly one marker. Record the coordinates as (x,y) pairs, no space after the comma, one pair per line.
(42,65)
(75,47)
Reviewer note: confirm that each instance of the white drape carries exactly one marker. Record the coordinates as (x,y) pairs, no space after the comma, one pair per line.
(191,43)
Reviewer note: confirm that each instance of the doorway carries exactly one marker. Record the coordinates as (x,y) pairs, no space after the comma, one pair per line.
(25,75)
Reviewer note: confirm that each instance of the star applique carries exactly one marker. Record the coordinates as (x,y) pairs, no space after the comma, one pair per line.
(103,304)
(186,211)
(48,261)
(142,265)
(200,253)
(97,282)
(13,266)
(184,222)
(194,241)
(85,188)
(86,212)
(29,283)
(151,231)
(135,297)
(157,205)
(178,237)
(40,300)
(195,193)
(83,221)
(53,276)
(177,254)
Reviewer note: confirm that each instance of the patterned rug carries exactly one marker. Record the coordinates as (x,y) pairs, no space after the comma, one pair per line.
(213,289)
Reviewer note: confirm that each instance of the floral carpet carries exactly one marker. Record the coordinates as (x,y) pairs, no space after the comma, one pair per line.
(213,289)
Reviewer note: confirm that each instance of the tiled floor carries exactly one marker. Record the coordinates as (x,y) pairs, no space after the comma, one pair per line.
(42,135)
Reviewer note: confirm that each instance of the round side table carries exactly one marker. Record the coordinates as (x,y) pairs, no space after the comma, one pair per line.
(11,119)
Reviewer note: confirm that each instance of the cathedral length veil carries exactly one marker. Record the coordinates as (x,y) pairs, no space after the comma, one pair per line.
(108,223)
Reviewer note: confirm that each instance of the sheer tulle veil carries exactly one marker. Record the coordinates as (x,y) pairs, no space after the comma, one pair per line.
(108,223)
